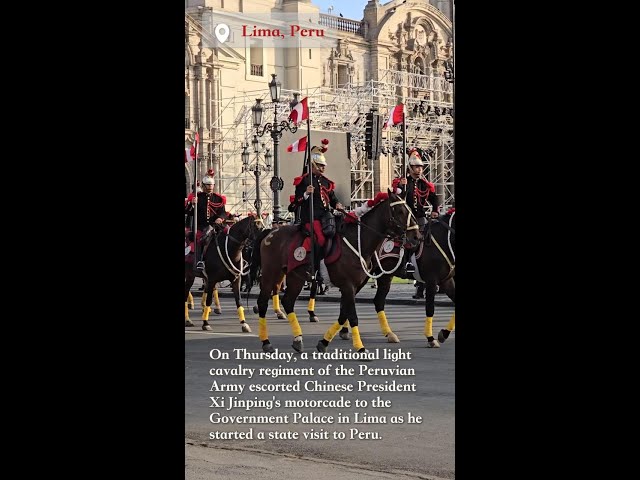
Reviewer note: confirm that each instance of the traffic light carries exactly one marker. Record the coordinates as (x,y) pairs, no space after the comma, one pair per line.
(372,129)
(368,135)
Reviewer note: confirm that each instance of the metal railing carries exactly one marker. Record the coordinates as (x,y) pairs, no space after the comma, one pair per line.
(257,70)
(342,24)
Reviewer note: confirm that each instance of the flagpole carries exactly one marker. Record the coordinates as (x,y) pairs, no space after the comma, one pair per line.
(310,171)
(404,145)
(195,207)
(304,162)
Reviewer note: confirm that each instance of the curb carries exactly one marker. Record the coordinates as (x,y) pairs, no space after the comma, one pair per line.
(324,298)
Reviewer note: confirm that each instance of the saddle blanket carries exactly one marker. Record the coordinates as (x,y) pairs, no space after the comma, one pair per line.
(299,256)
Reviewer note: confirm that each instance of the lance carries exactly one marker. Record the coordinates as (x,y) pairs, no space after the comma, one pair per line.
(195,207)
(310,170)
(404,145)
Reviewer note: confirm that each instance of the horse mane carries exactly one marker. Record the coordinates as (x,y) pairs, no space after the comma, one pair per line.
(377,205)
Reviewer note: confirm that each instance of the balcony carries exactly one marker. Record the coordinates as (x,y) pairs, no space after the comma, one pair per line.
(342,24)
(257,70)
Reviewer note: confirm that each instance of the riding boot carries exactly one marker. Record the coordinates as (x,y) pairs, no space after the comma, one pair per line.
(406,268)
(206,240)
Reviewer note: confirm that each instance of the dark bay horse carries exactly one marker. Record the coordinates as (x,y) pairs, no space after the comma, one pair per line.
(436,267)
(390,218)
(189,277)
(223,261)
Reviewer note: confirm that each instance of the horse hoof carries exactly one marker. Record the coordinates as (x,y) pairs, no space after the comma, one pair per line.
(206,327)
(313,319)
(255,309)
(217,311)
(345,335)
(321,347)
(268,348)
(392,338)
(297,345)
(188,323)
(280,315)
(433,344)
(246,328)
(364,355)
(443,335)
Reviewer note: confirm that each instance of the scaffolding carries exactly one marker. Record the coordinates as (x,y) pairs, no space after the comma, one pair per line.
(428,100)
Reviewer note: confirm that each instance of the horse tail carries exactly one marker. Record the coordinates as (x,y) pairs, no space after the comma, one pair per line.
(254,263)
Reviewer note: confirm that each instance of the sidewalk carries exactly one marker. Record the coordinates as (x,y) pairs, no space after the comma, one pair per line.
(399,294)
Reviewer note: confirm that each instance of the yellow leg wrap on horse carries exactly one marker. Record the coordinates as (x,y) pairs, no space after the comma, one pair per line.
(295,326)
(333,330)
(312,305)
(452,323)
(428,327)
(262,329)
(205,314)
(186,311)
(241,313)
(276,303)
(204,299)
(216,299)
(190,298)
(384,325)
(357,343)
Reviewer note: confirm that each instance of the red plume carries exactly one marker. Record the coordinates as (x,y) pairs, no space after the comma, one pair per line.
(210,172)
(325,141)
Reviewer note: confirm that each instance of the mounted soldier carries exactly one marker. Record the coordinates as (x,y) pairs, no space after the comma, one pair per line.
(211,213)
(324,198)
(419,193)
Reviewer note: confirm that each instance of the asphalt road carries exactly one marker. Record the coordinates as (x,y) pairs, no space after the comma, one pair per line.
(422,449)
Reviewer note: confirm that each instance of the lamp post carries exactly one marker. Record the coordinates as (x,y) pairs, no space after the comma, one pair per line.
(256,169)
(276,130)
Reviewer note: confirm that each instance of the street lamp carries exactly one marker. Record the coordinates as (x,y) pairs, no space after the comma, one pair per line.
(276,130)
(256,169)
(448,72)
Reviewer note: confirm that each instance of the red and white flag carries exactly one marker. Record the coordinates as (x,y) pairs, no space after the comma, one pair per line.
(192,153)
(298,145)
(300,112)
(395,116)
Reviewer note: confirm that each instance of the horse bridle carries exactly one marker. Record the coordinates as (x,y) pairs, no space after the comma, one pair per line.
(250,238)
(399,230)
(397,225)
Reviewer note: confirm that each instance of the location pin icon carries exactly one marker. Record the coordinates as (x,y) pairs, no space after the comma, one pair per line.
(222,32)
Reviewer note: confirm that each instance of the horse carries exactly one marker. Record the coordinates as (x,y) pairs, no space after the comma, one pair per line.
(189,277)
(224,262)
(436,267)
(254,273)
(389,218)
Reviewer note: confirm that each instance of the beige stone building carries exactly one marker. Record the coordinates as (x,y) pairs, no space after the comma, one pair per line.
(398,52)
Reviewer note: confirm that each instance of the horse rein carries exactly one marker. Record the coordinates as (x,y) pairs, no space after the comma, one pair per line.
(230,266)
(392,222)
(452,267)
(395,223)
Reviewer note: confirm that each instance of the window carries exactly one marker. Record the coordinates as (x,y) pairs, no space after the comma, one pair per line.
(256,58)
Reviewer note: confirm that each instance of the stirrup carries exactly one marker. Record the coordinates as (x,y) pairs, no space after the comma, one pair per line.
(409,268)
(200,265)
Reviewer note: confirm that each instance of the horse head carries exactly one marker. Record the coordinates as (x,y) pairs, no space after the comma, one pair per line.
(245,230)
(402,222)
